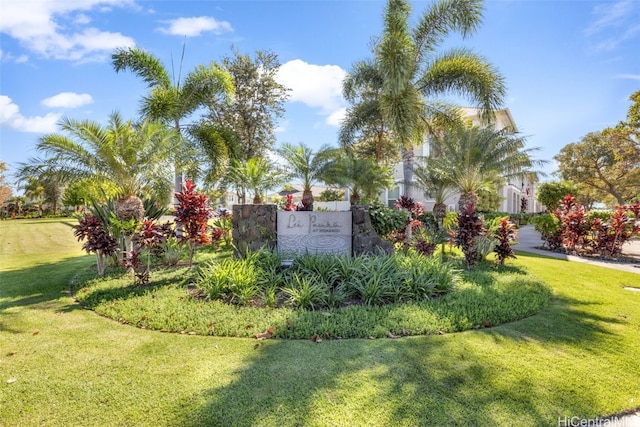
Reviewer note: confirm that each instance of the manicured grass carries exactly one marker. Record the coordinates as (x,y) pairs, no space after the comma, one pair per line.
(577,357)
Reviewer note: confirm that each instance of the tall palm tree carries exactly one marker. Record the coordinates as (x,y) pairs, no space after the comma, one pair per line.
(470,159)
(133,157)
(414,76)
(257,175)
(172,100)
(305,165)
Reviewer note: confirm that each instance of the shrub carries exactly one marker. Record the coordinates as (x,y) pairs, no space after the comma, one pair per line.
(506,234)
(385,219)
(97,239)
(192,215)
(548,225)
(574,223)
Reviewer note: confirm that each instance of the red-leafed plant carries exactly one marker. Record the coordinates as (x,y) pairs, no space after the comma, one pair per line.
(290,206)
(97,239)
(424,247)
(506,234)
(608,237)
(573,223)
(470,226)
(192,215)
(132,262)
(150,237)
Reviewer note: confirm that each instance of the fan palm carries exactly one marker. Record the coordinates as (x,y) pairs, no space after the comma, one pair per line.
(362,176)
(437,185)
(257,175)
(173,101)
(470,159)
(305,165)
(409,76)
(133,157)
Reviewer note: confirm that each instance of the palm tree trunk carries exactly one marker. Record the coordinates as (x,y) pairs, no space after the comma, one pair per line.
(408,161)
(439,212)
(467,199)
(308,196)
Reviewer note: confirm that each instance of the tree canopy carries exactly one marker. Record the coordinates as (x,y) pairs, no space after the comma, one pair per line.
(608,162)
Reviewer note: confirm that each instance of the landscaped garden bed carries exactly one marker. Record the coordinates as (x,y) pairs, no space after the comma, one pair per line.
(487,296)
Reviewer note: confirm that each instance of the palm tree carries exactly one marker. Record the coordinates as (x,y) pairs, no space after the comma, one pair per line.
(362,176)
(412,76)
(438,187)
(256,175)
(172,101)
(305,165)
(133,157)
(364,130)
(471,158)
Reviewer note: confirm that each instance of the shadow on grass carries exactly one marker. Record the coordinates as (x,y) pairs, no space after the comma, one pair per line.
(419,381)
(39,283)
(510,375)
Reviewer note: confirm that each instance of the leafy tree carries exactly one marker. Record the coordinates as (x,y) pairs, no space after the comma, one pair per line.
(471,159)
(607,161)
(133,157)
(5,189)
(411,75)
(304,165)
(552,192)
(258,102)
(81,192)
(173,101)
(257,175)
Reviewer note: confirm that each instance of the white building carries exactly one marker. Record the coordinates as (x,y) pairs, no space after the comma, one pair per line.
(511,193)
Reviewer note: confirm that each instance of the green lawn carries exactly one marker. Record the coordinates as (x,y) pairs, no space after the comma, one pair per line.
(61,365)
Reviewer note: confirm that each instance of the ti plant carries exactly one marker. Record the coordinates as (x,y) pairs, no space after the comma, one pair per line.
(97,239)
(192,215)
(506,234)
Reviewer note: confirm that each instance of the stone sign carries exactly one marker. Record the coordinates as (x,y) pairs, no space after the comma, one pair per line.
(301,232)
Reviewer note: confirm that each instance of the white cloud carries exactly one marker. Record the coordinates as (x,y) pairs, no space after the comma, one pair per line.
(336,118)
(9,57)
(613,23)
(317,86)
(82,19)
(193,27)
(11,117)
(67,100)
(628,76)
(41,26)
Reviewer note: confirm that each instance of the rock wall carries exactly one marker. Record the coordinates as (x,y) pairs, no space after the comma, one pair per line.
(365,238)
(254,227)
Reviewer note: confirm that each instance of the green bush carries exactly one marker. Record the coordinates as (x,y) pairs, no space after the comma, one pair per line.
(385,219)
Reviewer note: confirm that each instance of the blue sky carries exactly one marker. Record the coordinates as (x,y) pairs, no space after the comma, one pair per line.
(570,66)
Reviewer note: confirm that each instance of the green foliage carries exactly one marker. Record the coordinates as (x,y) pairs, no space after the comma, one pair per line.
(548,225)
(551,193)
(607,162)
(331,195)
(385,219)
(488,200)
